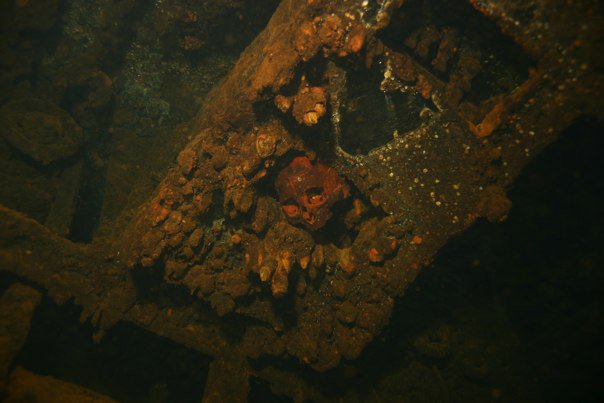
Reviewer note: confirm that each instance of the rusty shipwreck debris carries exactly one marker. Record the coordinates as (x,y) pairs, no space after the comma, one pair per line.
(266,217)
(307,192)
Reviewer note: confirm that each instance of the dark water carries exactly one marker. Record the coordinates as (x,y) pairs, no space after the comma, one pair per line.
(507,312)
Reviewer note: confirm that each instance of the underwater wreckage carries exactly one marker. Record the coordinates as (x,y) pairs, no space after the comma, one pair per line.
(349,142)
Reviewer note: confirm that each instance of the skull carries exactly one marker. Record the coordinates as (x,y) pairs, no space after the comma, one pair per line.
(307,192)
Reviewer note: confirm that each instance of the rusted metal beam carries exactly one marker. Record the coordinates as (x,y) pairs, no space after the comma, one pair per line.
(215,230)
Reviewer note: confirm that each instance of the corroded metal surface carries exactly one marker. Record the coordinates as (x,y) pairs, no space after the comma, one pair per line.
(217,229)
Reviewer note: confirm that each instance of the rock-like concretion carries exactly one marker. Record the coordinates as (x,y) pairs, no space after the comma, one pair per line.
(40,130)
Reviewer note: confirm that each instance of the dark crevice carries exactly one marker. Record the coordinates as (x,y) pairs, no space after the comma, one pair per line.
(90,201)
(129,364)
(370,117)
(504,64)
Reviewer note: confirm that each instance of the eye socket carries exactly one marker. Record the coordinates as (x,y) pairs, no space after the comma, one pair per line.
(315,196)
(291,210)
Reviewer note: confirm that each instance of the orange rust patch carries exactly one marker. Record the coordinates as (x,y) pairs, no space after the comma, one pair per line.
(417,240)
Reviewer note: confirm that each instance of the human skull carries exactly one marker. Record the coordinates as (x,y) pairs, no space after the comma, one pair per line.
(307,192)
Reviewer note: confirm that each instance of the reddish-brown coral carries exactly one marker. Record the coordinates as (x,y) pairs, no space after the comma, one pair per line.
(307,192)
